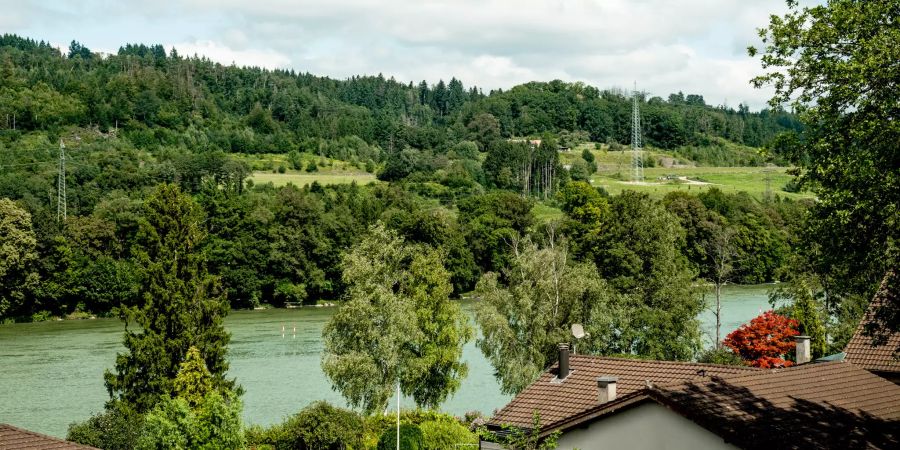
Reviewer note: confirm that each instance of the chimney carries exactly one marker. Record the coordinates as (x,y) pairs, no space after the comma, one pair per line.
(563,362)
(606,388)
(803,355)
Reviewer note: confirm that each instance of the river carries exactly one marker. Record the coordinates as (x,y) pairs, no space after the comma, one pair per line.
(51,373)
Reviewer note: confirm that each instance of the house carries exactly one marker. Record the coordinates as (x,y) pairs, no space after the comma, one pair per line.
(597,402)
(12,438)
(878,359)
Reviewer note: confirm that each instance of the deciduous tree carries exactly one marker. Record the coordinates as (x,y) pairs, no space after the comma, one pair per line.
(523,320)
(18,257)
(397,324)
(764,341)
(836,63)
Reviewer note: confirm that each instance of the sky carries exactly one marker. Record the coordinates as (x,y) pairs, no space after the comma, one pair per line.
(665,46)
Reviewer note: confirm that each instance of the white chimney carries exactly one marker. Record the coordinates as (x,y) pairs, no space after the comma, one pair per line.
(802,351)
(606,388)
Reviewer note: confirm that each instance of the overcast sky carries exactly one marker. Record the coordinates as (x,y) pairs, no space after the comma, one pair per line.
(696,46)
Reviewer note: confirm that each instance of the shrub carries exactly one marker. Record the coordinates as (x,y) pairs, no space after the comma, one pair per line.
(214,423)
(282,169)
(587,155)
(318,426)
(117,428)
(442,434)
(312,167)
(410,438)
(721,355)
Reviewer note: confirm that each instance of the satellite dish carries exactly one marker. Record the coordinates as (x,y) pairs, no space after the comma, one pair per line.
(578,331)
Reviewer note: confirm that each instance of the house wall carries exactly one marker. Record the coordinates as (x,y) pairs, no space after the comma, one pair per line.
(648,426)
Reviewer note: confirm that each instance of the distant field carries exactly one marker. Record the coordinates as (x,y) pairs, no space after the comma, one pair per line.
(301,179)
(729,179)
(545,213)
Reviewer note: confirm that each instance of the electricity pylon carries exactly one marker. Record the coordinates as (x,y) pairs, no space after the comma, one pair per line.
(637,159)
(61,185)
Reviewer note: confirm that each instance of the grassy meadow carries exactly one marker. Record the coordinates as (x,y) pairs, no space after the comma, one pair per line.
(301,179)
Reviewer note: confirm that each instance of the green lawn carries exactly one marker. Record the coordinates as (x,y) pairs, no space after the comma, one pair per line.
(729,179)
(546,213)
(302,178)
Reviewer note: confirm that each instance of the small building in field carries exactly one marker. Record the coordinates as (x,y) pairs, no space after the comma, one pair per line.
(13,438)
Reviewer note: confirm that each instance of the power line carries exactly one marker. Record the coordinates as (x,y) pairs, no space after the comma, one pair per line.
(637,160)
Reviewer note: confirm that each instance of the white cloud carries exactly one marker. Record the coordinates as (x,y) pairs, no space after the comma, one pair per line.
(223,54)
(696,46)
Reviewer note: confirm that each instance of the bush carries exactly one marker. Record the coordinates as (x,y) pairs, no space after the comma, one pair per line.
(721,356)
(214,423)
(282,169)
(587,155)
(410,438)
(312,167)
(318,426)
(442,434)
(117,428)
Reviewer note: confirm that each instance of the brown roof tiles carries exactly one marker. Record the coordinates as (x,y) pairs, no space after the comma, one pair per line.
(555,401)
(827,405)
(860,350)
(12,438)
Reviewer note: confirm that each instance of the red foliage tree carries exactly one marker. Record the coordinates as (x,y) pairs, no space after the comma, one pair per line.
(764,341)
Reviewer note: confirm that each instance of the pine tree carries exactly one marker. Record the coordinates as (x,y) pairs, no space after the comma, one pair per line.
(182,305)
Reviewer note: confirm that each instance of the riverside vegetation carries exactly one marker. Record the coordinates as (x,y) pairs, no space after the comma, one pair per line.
(166,231)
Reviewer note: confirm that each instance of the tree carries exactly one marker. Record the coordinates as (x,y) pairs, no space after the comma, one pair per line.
(193,381)
(490,222)
(806,309)
(18,257)
(215,423)
(638,252)
(118,427)
(523,322)
(198,416)
(587,210)
(483,129)
(397,324)
(764,341)
(836,64)
(720,254)
(181,305)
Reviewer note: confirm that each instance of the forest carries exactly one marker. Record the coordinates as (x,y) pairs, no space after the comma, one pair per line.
(158,221)
(456,172)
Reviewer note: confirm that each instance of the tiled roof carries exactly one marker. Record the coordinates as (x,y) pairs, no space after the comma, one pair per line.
(555,401)
(859,350)
(827,405)
(12,438)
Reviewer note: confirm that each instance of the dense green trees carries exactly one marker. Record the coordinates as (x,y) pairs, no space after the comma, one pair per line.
(397,325)
(523,320)
(836,63)
(17,257)
(198,415)
(181,305)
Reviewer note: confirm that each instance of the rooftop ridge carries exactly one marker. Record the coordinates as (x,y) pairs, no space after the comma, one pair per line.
(57,443)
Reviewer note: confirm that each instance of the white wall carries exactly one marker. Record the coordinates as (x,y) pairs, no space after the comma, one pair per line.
(648,426)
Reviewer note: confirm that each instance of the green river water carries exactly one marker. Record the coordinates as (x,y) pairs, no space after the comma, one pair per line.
(51,373)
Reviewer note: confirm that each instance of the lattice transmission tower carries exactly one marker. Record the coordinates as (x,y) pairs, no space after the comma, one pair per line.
(637,158)
(61,185)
